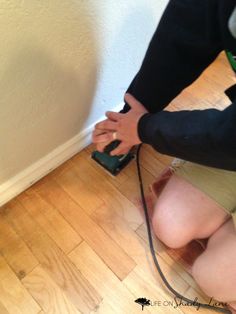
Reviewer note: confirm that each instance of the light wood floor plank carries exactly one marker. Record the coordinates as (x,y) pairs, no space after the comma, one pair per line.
(131,190)
(139,285)
(163,159)
(101,243)
(48,295)
(150,162)
(16,253)
(106,191)
(51,221)
(3,310)
(53,260)
(136,248)
(82,193)
(115,295)
(13,296)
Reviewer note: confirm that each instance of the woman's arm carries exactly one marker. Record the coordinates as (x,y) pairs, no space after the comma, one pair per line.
(206,137)
(185,42)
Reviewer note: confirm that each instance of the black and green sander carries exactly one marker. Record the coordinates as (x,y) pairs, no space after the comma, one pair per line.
(113,164)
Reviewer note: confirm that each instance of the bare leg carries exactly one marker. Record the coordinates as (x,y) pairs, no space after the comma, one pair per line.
(183,213)
(215,269)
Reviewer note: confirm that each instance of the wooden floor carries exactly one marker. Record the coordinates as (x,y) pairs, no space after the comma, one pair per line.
(75,241)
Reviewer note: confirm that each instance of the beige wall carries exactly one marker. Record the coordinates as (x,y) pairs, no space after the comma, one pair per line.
(63,63)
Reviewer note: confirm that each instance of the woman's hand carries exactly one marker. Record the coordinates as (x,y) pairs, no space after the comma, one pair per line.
(99,145)
(123,127)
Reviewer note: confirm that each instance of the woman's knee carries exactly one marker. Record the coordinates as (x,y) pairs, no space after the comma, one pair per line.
(201,272)
(216,276)
(183,213)
(168,228)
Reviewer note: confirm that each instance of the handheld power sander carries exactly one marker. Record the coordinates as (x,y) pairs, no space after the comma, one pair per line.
(114,164)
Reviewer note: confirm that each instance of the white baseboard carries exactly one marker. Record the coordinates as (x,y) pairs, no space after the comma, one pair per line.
(30,175)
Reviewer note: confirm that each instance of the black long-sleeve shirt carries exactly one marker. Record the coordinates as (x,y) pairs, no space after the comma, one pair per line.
(189,37)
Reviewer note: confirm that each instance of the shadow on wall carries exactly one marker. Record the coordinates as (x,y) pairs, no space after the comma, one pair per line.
(49,73)
(127,52)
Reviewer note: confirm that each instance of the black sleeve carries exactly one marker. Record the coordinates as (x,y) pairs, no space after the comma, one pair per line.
(185,42)
(206,137)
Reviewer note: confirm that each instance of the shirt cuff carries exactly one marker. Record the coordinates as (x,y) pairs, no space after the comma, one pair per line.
(143,132)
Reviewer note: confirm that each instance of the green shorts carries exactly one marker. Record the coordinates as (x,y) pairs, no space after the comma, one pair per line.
(218,184)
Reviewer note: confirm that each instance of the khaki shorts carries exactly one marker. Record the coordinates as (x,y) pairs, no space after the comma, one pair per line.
(218,184)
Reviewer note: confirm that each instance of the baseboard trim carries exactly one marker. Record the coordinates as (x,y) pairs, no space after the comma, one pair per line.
(36,171)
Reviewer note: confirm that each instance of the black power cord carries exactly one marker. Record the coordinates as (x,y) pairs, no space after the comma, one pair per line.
(173,291)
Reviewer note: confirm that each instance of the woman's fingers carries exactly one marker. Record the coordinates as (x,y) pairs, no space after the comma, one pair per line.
(134,103)
(108,136)
(120,150)
(114,115)
(100,146)
(106,125)
(98,132)
(96,135)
